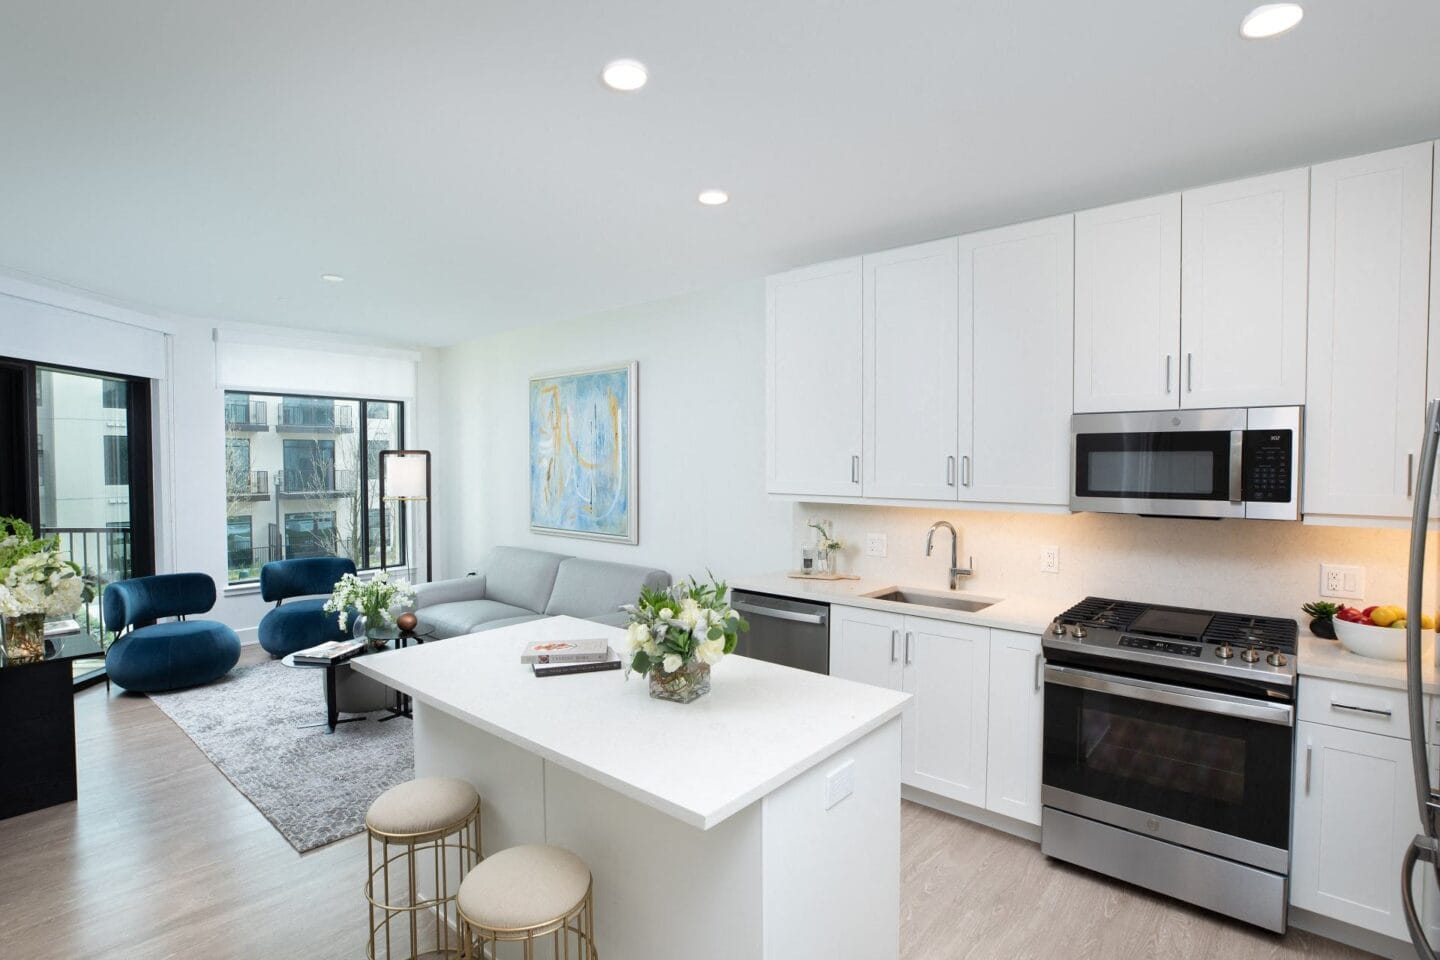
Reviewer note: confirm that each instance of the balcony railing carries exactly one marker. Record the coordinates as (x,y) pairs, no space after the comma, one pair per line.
(104,556)
(317,417)
(247,415)
(247,485)
(315,483)
(244,563)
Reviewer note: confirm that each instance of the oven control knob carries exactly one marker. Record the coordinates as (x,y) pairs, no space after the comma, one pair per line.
(1250,655)
(1058,629)
(1079,632)
(1276,659)
(1224,651)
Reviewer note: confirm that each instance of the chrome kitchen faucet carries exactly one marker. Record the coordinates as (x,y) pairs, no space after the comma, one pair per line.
(955,572)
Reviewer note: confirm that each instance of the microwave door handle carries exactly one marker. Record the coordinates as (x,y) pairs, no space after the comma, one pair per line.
(1237,463)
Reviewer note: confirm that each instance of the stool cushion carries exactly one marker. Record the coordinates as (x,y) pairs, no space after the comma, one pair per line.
(523,887)
(423,805)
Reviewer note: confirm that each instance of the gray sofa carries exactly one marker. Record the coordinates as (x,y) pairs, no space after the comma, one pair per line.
(514,585)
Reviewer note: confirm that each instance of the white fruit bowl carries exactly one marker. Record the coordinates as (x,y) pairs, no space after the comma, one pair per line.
(1378,643)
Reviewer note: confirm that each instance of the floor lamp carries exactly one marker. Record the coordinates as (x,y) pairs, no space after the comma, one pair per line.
(405,476)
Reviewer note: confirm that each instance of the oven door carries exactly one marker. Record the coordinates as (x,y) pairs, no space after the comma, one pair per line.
(1184,463)
(1202,769)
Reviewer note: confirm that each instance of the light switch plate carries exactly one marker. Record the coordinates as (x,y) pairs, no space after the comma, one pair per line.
(876,545)
(839,783)
(1339,580)
(1049,559)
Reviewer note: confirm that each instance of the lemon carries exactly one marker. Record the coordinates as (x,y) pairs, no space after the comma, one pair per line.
(1427,622)
(1398,625)
(1383,616)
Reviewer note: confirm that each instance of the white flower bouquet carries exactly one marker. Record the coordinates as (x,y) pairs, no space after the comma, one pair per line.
(375,599)
(676,635)
(35,579)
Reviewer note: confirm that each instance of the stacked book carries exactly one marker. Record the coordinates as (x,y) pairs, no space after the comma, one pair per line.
(332,651)
(551,658)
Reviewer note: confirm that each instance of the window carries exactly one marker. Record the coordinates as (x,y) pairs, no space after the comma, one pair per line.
(113,394)
(117,460)
(307,483)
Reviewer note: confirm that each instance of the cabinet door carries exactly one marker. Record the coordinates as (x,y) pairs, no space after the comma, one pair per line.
(911,365)
(1354,818)
(1017,303)
(1243,290)
(1365,399)
(814,380)
(865,646)
(943,735)
(1012,767)
(1127,306)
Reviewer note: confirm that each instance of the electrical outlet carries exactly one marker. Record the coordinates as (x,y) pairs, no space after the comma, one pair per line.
(839,783)
(1338,580)
(1049,559)
(876,545)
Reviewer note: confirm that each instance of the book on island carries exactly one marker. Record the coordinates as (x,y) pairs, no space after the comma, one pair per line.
(565,651)
(611,661)
(330,651)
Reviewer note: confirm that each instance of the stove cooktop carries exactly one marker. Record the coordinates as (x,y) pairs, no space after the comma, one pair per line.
(1206,641)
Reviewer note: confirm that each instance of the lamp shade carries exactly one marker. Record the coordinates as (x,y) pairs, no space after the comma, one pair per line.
(405,476)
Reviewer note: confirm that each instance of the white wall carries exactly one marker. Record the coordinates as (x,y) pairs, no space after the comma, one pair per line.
(701,435)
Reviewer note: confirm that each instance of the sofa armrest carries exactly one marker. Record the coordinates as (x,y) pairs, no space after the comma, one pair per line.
(450,591)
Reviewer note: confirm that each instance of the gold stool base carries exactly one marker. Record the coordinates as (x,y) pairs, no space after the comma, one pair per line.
(576,925)
(396,914)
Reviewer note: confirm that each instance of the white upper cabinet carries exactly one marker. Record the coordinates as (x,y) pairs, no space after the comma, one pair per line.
(911,426)
(1017,298)
(1127,306)
(1242,292)
(1433,387)
(814,380)
(1369,264)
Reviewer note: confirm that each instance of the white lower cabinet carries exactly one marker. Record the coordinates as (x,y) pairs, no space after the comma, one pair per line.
(972,733)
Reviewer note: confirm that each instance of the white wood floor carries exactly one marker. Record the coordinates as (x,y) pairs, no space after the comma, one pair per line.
(162,858)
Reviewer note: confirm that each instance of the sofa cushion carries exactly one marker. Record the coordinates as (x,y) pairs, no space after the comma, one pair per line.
(456,619)
(508,622)
(595,588)
(521,577)
(450,591)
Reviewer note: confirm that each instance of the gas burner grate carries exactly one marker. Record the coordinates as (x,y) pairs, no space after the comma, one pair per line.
(1102,612)
(1240,630)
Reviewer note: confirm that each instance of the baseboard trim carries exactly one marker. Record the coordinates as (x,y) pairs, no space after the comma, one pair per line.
(995,821)
(1350,935)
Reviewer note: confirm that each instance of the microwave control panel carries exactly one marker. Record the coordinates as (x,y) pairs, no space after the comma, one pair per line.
(1266,467)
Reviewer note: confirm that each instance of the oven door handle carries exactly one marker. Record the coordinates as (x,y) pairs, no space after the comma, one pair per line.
(1204,701)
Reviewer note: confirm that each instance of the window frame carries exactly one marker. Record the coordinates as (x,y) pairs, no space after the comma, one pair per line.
(115,459)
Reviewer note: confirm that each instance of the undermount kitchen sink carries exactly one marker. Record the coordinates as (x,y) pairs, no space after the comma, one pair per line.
(967,604)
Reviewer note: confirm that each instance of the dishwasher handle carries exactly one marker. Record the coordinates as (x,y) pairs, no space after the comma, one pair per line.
(758,611)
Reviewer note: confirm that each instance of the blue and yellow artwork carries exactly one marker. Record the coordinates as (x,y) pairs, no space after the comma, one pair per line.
(582,454)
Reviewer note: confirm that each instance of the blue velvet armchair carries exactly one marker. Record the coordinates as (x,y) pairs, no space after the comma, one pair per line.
(301,623)
(148,657)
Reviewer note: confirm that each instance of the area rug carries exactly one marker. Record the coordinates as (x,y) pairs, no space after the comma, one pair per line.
(313,786)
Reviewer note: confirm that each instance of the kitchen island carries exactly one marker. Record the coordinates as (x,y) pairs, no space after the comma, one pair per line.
(762,820)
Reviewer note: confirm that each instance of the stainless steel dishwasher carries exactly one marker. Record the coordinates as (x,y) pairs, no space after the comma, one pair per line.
(792,633)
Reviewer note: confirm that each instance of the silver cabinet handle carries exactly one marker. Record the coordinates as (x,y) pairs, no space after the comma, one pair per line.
(949,471)
(1189,373)
(855,469)
(965,470)
(1039,659)
(1409,474)
(894,644)
(909,638)
(1168,361)
(1369,711)
(1308,749)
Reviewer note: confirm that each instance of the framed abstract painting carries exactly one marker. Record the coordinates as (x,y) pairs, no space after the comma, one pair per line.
(583,471)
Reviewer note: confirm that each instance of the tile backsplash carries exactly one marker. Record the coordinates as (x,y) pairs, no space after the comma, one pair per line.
(1247,566)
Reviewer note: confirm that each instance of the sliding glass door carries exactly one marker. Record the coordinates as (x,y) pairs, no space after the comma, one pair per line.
(78,467)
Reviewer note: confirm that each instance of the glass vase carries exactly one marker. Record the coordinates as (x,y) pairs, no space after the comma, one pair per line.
(691,681)
(25,638)
(378,637)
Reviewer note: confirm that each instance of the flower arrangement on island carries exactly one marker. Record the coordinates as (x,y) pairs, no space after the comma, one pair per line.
(36,584)
(375,599)
(676,635)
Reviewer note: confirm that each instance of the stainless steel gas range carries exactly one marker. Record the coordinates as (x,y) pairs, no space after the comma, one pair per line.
(1168,738)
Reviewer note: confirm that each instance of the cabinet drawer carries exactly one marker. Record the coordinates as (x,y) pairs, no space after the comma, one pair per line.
(1354,706)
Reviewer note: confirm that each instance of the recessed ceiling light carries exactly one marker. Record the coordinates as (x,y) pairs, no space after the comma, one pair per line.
(713,198)
(624,75)
(1270,20)
(332,278)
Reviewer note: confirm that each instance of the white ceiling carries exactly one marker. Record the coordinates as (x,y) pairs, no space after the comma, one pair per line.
(461,165)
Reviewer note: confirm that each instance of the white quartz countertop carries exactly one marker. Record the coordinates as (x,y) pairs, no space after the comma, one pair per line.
(1327,659)
(1022,614)
(758,727)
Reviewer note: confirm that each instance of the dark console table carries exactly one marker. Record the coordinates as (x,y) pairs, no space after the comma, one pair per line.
(37,736)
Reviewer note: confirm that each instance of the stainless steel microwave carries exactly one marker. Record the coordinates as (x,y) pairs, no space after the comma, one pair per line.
(1188,463)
